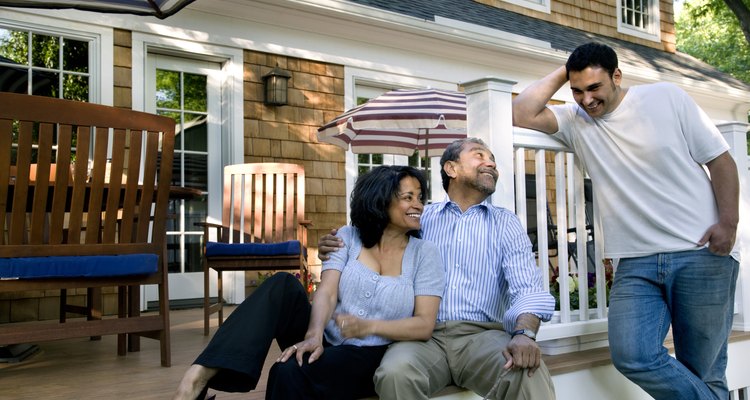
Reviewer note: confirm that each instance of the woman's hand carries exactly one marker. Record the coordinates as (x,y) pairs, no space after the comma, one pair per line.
(312,345)
(353,327)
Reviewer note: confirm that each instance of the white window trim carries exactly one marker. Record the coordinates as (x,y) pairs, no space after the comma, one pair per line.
(231,59)
(101,48)
(653,34)
(232,90)
(541,5)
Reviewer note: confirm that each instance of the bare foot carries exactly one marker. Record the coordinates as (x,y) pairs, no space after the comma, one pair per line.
(193,382)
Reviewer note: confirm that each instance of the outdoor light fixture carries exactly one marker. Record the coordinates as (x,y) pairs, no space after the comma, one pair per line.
(275,87)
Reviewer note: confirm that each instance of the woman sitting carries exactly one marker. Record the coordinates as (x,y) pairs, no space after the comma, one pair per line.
(385,285)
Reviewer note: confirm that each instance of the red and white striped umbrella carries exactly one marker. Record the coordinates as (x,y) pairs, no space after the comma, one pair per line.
(400,122)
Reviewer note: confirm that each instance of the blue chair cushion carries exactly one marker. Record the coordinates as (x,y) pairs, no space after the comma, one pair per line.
(292,247)
(78,266)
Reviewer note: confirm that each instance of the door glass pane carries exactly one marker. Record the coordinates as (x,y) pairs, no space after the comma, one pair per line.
(177,117)
(196,97)
(168,89)
(193,253)
(196,174)
(173,253)
(195,132)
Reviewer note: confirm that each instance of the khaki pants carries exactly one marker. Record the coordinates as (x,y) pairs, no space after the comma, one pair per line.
(465,353)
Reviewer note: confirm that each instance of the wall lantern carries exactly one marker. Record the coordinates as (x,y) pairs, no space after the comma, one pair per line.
(275,87)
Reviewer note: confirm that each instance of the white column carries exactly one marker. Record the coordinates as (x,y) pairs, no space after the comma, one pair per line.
(736,135)
(489,117)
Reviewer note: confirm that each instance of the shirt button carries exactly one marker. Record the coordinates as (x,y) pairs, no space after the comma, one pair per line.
(368,294)
(361,312)
(374,277)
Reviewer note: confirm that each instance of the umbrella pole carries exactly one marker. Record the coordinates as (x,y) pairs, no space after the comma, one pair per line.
(427,163)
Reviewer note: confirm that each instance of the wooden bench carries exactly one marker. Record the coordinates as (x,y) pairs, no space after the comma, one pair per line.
(84,188)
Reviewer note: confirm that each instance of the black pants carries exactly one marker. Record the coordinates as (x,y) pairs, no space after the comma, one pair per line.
(279,309)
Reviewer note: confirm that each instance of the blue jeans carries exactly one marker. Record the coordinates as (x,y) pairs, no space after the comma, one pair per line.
(693,291)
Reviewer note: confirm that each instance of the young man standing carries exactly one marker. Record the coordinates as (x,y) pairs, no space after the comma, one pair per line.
(671,225)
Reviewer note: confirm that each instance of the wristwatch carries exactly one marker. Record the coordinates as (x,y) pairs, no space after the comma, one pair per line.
(526,332)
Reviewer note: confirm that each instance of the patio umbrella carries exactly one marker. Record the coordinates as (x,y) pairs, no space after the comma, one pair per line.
(158,8)
(400,122)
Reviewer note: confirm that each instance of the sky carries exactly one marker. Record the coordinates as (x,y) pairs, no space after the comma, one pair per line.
(678,7)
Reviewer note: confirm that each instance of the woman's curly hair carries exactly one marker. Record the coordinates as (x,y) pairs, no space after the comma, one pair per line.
(372,197)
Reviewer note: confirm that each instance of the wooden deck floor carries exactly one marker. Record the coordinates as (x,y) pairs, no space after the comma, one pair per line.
(84,369)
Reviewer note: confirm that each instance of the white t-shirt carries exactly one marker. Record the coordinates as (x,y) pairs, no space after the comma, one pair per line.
(645,160)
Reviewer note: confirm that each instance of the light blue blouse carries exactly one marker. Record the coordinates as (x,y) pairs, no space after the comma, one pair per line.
(368,295)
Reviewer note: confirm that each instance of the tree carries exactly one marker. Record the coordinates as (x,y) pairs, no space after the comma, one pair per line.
(741,8)
(710,31)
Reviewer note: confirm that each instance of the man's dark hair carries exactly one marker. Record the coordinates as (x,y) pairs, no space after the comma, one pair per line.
(452,153)
(592,55)
(372,197)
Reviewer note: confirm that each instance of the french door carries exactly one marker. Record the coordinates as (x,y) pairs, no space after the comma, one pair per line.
(188,91)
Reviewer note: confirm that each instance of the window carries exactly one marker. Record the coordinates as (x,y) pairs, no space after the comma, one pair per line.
(537,5)
(639,18)
(44,64)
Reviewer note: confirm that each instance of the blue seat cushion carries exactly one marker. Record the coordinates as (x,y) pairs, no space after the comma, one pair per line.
(292,247)
(78,266)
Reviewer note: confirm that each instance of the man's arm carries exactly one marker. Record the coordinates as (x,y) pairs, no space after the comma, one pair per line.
(328,243)
(530,106)
(725,182)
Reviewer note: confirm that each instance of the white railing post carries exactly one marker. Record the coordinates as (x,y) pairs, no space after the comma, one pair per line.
(736,135)
(489,117)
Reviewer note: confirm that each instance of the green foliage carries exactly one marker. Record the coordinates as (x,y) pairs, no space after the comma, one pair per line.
(554,287)
(20,50)
(709,31)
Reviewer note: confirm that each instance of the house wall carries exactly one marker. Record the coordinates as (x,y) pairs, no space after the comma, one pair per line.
(123,69)
(597,16)
(327,54)
(288,134)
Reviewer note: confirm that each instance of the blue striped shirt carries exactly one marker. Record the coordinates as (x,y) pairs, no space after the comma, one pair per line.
(490,271)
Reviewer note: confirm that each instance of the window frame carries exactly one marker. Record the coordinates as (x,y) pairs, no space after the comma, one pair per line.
(652,32)
(539,5)
(101,47)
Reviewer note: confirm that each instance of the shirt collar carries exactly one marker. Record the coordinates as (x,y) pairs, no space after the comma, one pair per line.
(447,203)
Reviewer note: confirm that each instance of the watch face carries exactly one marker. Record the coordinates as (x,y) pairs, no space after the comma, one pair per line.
(526,332)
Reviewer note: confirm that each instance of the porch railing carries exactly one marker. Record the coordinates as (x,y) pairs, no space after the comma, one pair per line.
(558,186)
(559,201)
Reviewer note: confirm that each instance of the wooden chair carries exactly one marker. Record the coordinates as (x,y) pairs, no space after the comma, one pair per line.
(65,226)
(263,226)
